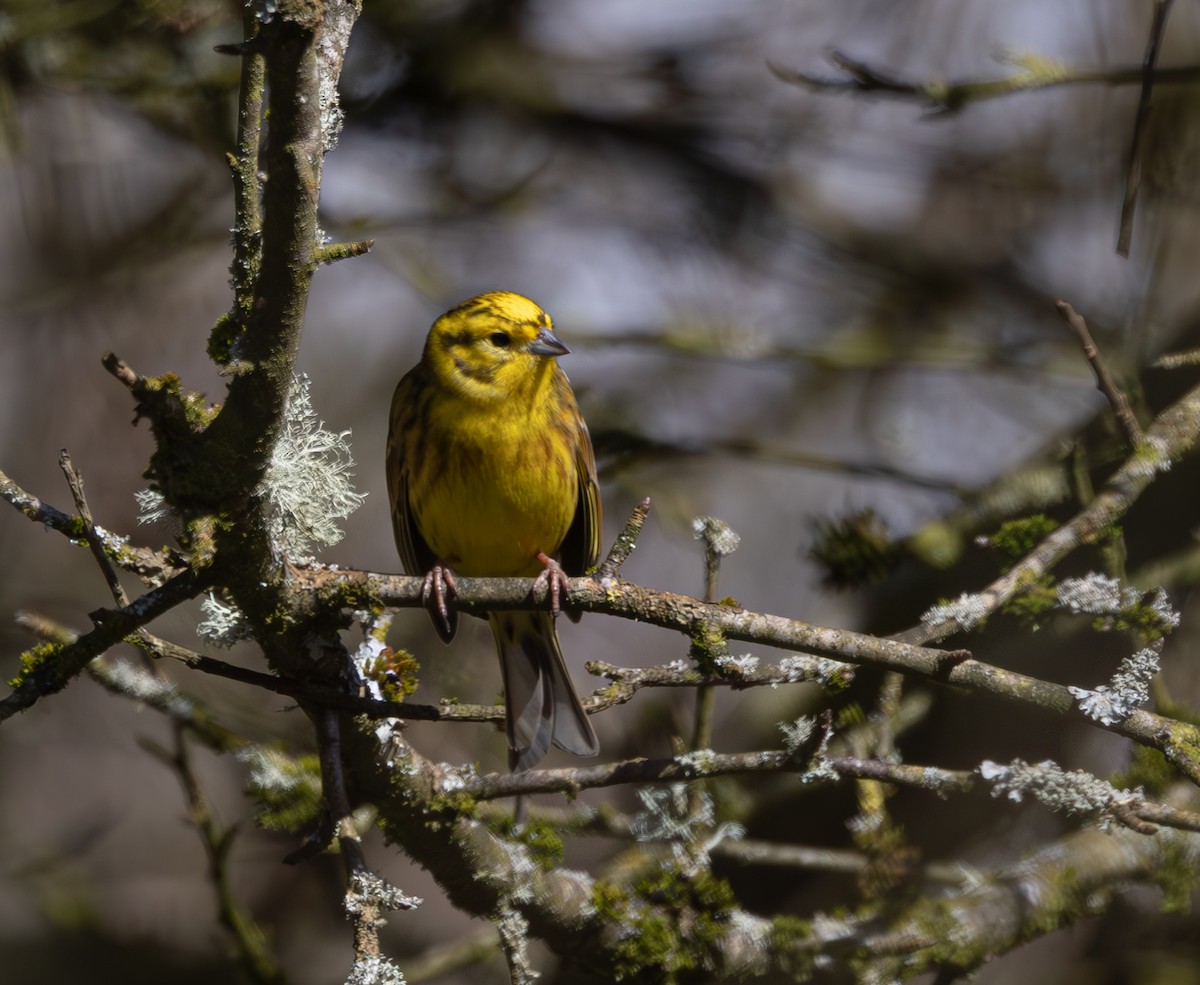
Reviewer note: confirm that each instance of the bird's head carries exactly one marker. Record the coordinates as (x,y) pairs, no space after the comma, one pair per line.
(493,347)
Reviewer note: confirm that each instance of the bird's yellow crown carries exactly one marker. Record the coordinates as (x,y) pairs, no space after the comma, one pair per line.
(492,347)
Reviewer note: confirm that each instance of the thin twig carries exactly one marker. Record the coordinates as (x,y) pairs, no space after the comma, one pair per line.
(1133,174)
(704,763)
(57,669)
(625,543)
(796,669)
(719,540)
(944,97)
(249,938)
(476,949)
(75,482)
(1105,382)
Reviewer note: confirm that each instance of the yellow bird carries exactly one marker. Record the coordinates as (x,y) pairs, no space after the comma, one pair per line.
(491,473)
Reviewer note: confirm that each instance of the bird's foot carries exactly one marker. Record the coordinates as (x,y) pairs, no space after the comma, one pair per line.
(553,581)
(439,586)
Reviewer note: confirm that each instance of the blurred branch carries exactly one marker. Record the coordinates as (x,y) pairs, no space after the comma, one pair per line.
(950,97)
(625,443)
(1011,905)
(1133,173)
(476,949)
(1177,360)
(250,940)
(1170,436)
(49,669)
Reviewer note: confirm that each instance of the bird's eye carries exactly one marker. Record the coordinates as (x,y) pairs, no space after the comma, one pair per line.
(501,340)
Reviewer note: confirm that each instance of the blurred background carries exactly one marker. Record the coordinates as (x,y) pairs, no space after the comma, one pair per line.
(807,313)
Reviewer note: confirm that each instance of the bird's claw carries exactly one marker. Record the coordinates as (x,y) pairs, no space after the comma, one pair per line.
(554,581)
(439,585)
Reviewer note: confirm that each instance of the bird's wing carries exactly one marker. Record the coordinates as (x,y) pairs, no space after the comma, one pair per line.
(581,547)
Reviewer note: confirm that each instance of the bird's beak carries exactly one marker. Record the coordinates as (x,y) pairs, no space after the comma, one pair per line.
(546,343)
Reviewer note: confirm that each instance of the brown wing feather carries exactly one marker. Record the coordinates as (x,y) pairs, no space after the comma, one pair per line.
(580,548)
(404,432)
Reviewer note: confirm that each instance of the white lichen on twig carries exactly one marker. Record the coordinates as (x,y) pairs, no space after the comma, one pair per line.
(747,663)
(273,771)
(307,484)
(1062,791)
(375,625)
(1161,604)
(368,890)
(1129,688)
(685,819)
(152,507)
(1095,594)
(718,536)
(966,610)
(798,734)
(375,969)
(513,929)
(223,624)
(141,685)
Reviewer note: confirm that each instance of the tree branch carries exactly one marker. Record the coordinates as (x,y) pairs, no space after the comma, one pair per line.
(950,97)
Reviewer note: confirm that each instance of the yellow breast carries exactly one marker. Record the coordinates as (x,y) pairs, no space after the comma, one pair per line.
(504,490)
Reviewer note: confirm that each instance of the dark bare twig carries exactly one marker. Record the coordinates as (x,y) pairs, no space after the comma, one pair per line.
(1133,174)
(333,783)
(121,370)
(1105,382)
(368,896)
(625,543)
(75,482)
(949,97)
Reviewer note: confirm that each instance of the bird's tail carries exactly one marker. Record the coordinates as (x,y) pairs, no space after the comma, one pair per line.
(540,700)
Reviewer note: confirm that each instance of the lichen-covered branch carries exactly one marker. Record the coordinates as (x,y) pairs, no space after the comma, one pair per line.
(1171,434)
(701,764)
(50,667)
(1179,741)
(1004,908)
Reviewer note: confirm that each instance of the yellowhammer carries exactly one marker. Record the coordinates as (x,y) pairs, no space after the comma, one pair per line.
(491,473)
